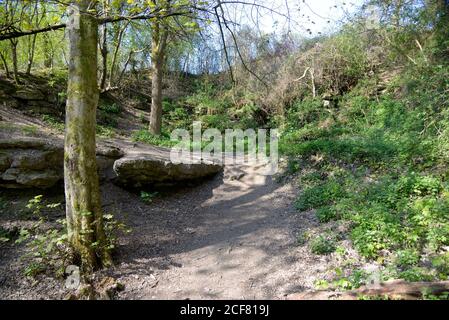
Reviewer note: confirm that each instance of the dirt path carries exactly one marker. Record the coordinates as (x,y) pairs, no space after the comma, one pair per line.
(225,239)
(234,236)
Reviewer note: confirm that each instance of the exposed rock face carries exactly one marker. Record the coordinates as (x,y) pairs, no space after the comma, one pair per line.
(38,163)
(30,162)
(34,96)
(138,170)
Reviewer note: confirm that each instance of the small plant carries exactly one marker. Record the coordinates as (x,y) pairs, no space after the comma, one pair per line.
(430,296)
(148,197)
(111,108)
(30,130)
(142,118)
(407,258)
(145,136)
(441,264)
(302,238)
(53,123)
(323,245)
(416,274)
(113,228)
(321,284)
(47,248)
(7,235)
(104,131)
(319,195)
(326,214)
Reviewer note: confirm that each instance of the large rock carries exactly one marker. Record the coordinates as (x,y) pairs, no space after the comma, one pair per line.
(27,162)
(30,162)
(29,94)
(138,170)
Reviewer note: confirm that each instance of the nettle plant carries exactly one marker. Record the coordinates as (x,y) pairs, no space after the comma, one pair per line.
(47,247)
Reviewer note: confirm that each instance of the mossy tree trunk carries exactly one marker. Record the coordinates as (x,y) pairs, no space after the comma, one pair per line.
(158,45)
(5,64)
(104,48)
(14,43)
(83,203)
(31,51)
(48,52)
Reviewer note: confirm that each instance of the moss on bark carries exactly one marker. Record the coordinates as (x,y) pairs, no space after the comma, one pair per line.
(83,202)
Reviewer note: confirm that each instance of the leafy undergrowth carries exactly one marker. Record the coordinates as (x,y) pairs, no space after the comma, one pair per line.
(380,165)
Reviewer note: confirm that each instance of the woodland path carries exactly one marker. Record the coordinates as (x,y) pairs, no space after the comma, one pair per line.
(223,238)
(226,238)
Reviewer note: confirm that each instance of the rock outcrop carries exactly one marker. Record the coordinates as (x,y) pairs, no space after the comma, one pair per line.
(30,162)
(139,170)
(27,162)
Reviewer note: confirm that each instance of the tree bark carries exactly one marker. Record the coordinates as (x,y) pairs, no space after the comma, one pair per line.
(31,54)
(159,41)
(5,64)
(104,50)
(48,53)
(15,66)
(83,203)
(117,47)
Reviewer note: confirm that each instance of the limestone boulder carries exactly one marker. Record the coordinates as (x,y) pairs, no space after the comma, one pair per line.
(140,170)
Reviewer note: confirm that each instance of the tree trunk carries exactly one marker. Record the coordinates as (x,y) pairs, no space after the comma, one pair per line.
(156,98)
(48,55)
(5,64)
(159,41)
(31,55)
(83,203)
(114,58)
(14,43)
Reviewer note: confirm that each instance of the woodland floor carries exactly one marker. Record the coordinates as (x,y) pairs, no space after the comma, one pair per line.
(221,239)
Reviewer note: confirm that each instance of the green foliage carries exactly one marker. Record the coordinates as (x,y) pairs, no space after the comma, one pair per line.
(380,163)
(407,258)
(442,296)
(105,131)
(323,244)
(319,195)
(7,235)
(148,197)
(107,114)
(112,108)
(145,136)
(47,248)
(113,228)
(441,264)
(53,123)
(326,214)
(30,130)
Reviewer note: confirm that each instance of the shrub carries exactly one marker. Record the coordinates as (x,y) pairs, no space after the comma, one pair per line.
(319,195)
(145,136)
(323,245)
(326,214)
